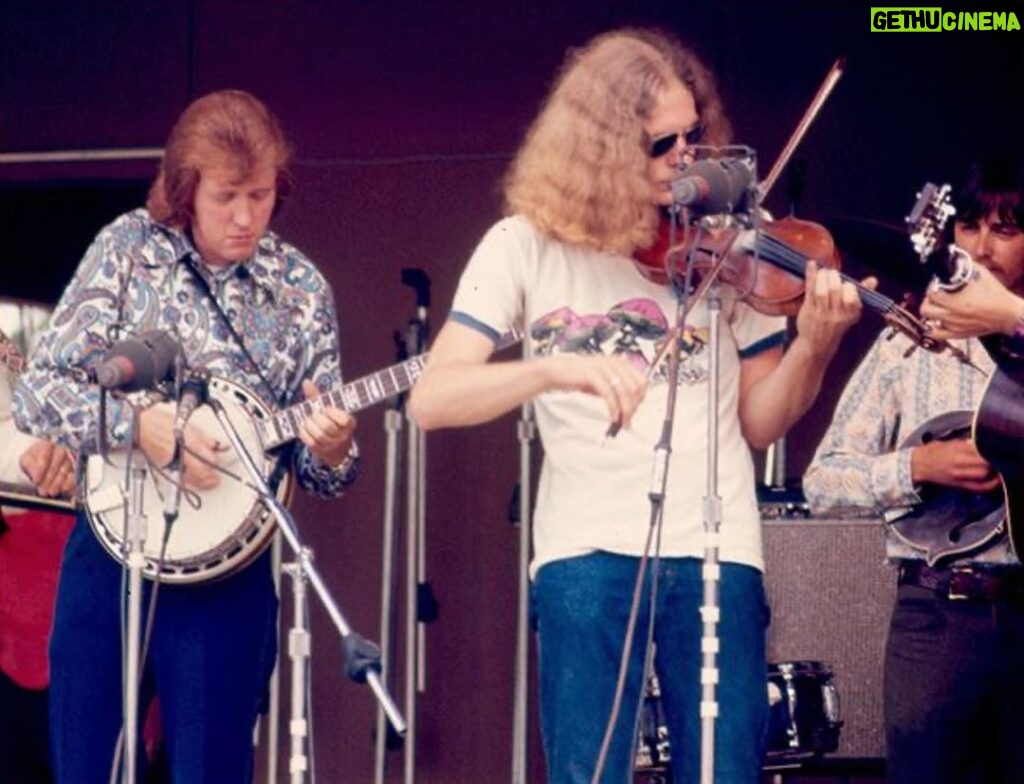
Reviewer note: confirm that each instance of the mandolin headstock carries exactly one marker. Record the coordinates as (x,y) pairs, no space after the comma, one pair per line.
(927,220)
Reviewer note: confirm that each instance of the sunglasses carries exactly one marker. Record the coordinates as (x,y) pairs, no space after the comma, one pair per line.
(661,145)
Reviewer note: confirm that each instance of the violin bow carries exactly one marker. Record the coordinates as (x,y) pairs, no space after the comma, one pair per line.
(899,319)
(831,78)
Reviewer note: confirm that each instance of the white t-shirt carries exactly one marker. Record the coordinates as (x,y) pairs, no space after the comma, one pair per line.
(593,492)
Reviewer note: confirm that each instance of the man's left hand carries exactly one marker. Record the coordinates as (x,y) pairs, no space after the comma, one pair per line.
(831,306)
(328,432)
(51,468)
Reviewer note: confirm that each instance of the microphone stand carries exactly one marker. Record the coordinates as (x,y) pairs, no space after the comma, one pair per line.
(136,530)
(362,658)
(656,495)
(392,428)
(712,509)
(711,570)
(135,524)
(420,603)
(527,432)
(298,652)
(712,501)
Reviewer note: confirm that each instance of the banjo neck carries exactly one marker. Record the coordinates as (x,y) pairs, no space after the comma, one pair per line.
(283,426)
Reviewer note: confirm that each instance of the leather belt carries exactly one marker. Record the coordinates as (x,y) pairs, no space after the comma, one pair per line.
(965,582)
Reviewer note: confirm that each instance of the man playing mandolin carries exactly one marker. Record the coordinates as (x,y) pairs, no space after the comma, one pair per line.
(954,685)
(200,264)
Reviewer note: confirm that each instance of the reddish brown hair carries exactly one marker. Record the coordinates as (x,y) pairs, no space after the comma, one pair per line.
(227,127)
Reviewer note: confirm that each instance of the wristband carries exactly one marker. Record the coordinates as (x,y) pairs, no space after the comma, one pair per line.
(350,458)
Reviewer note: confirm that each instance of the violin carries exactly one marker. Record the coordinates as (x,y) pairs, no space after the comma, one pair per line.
(768,276)
(769,272)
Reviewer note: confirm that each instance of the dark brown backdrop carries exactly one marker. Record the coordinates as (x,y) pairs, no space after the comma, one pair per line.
(404,115)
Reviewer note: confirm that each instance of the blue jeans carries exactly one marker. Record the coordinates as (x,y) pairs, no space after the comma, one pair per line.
(210,658)
(582,606)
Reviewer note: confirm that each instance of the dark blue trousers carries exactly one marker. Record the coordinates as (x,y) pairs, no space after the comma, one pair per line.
(954,690)
(209,661)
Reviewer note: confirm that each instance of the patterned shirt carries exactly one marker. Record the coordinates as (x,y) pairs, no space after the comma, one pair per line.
(861,466)
(134,278)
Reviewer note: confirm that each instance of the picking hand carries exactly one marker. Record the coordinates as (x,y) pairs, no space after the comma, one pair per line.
(954,463)
(201,453)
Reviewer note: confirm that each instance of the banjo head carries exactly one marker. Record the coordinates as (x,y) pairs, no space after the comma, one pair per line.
(218,531)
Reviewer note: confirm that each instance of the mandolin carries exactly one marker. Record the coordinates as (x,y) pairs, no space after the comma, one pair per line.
(949,522)
(997,428)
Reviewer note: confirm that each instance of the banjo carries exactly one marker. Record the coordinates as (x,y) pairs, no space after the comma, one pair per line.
(220,530)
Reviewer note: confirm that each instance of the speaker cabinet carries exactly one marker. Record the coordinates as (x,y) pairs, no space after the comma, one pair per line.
(831,594)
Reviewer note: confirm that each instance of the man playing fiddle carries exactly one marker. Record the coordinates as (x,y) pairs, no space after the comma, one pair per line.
(582,195)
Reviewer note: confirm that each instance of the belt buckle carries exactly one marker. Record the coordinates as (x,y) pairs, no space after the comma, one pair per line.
(968,576)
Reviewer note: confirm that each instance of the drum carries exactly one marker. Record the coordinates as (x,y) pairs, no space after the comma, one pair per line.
(803,719)
(652,751)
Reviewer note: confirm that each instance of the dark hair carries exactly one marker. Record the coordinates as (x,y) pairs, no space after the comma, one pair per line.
(996,184)
(227,127)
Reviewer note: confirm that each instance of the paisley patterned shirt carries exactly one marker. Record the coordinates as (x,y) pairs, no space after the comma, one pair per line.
(133,278)
(861,466)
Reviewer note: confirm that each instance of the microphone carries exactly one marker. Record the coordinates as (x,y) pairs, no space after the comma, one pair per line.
(137,363)
(714,185)
(193,394)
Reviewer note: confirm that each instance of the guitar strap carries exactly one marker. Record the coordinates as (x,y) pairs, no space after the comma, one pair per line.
(204,287)
(282,464)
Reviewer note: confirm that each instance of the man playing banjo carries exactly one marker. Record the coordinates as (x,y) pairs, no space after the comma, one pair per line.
(199,264)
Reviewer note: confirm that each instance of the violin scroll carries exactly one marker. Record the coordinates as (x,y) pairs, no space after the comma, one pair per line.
(902,320)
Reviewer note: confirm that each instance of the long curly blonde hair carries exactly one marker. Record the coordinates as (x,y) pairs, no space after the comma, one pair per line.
(581,174)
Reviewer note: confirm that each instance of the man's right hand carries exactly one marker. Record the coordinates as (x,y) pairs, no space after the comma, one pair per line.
(156,440)
(954,463)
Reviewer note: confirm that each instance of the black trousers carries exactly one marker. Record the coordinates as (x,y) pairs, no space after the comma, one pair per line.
(24,750)
(954,690)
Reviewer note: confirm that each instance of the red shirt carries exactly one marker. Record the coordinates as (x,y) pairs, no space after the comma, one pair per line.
(30,555)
